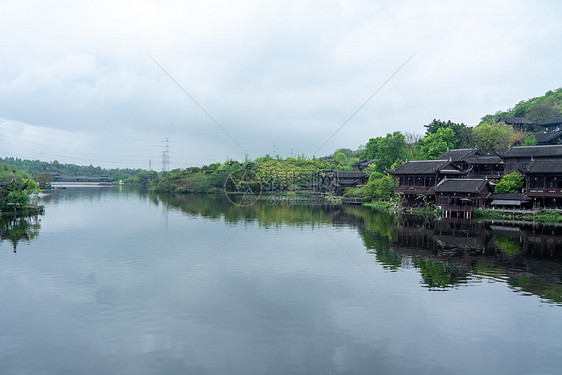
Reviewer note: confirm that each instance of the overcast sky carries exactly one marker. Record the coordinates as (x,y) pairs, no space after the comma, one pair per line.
(77,83)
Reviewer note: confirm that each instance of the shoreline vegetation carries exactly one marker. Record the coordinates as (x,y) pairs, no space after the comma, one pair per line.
(539,215)
(300,174)
(18,197)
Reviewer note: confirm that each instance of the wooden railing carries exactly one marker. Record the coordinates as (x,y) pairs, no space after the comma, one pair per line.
(544,192)
(412,189)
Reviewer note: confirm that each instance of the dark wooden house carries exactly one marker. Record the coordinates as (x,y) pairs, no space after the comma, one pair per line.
(517,158)
(520,123)
(363,164)
(550,138)
(462,194)
(543,182)
(490,166)
(337,181)
(418,177)
(459,155)
(554,124)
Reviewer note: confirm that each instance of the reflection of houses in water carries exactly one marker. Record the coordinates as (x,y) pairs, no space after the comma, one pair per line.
(443,239)
(456,236)
(528,256)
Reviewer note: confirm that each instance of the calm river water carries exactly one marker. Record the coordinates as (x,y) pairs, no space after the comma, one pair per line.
(115,281)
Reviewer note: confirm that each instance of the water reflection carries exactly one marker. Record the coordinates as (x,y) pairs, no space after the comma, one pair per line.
(452,252)
(16,230)
(448,253)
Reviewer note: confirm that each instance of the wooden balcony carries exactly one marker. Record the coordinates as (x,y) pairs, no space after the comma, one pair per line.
(544,192)
(412,189)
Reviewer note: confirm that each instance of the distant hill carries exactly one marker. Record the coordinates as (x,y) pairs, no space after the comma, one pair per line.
(539,109)
(36,167)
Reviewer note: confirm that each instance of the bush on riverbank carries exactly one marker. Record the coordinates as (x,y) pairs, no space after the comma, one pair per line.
(16,199)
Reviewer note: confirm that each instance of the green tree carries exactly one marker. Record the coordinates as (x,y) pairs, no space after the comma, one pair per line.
(371,149)
(530,140)
(142,178)
(18,197)
(386,150)
(379,187)
(44,178)
(341,158)
(437,143)
(511,183)
(392,148)
(493,137)
(542,112)
(463,137)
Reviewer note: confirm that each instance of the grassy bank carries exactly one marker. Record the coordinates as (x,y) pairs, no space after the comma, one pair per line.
(382,206)
(539,215)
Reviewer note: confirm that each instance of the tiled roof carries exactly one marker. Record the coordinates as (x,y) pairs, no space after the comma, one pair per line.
(420,167)
(544,166)
(533,151)
(516,120)
(553,121)
(349,174)
(511,197)
(485,159)
(458,154)
(547,137)
(461,185)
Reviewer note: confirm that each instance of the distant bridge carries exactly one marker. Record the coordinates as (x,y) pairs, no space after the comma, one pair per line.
(83,180)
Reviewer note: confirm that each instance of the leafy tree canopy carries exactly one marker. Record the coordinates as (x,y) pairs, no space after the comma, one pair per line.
(511,183)
(530,140)
(492,137)
(437,143)
(463,137)
(387,150)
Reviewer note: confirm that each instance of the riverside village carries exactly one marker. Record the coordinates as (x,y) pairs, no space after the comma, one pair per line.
(462,180)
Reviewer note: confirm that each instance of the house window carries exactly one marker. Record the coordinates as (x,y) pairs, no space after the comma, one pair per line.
(537,182)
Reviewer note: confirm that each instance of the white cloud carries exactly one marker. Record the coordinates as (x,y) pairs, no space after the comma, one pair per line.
(288,73)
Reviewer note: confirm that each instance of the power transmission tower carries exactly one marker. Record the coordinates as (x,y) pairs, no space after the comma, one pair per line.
(166,155)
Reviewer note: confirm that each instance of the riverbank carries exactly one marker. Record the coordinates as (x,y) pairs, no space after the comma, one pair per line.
(542,215)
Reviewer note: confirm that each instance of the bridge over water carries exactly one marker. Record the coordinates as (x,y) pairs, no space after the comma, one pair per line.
(83,180)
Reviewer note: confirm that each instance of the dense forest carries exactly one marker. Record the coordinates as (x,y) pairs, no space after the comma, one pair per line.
(539,109)
(33,168)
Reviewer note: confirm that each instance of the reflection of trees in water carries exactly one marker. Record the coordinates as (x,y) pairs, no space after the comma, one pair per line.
(509,245)
(447,253)
(439,275)
(535,285)
(19,229)
(218,207)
